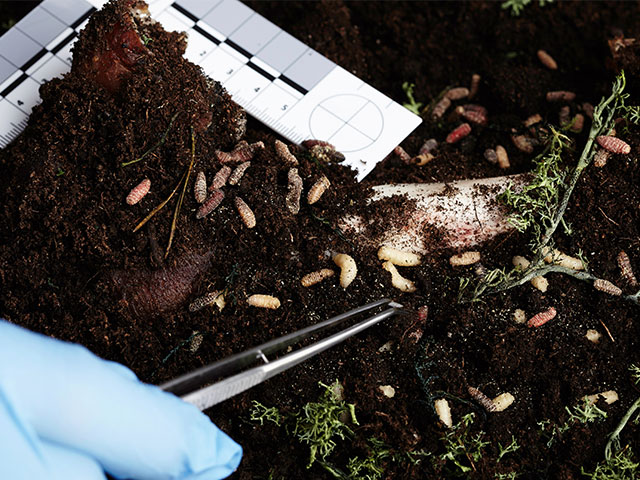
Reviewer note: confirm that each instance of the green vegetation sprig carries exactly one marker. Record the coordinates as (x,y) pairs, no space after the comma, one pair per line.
(412,105)
(517,6)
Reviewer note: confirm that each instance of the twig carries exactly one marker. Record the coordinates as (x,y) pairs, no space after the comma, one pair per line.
(608,332)
(159,207)
(614,438)
(156,146)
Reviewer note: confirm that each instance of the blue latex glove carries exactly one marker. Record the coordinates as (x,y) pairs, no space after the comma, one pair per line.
(67,414)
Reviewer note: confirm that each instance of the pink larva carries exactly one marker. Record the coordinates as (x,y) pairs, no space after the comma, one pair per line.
(560,96)
(220,178)
(441,107)
(541,318)
(241,153)
(459,133)
(402,154)
(200,188)
(613,144)
(457,93)
(139,191)
(625,267)
(210,204)
(245,212)
(482,399)
(283,153)
(475,116)
(237,174)
(607,287)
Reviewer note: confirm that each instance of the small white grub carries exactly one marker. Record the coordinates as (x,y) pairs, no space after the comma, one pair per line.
(466,258)
(609,397)
(398,257)
(338,391)
(317,190)
(348,268)
(316,277)
(503,401)
(519,316)
(263,301)
(444,411)
(561,259)
(593,335)
(539,282)
(502,157)
(387,390)
(397,280)
(387,347)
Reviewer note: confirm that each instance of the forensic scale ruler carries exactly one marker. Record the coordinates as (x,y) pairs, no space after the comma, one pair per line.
(276,78)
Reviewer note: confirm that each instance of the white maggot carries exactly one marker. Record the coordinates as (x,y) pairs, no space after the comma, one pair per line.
(444,411)
(398,257)
(348,268)
(397,280)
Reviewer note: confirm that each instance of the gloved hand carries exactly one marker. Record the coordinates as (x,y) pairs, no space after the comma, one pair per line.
(67,414)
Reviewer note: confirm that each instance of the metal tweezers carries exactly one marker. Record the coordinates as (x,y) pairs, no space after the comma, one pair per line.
(196,387)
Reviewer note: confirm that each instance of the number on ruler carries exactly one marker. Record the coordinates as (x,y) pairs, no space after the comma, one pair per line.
(284,107)
(257,89)
(230,71)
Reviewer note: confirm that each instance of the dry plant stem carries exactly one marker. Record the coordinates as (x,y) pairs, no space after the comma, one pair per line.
(159,207)
(614,438)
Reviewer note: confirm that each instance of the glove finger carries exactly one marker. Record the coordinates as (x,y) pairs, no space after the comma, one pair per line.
(26,457)
(134,430)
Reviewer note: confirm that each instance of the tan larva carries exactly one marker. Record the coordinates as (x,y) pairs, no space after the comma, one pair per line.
(398,257)
(482,399)
(210,204)
(348,268)
(491,156)
(593,335)
(292,200)
(207,300)
(466,258)
(613,144)
(263,301)
(316,277)
(625,267)
(523,143)
(457,93)
(326,153)
(241,153)
(245,212)
(502,157)
(541,318)
(317,190)
(600,158)
(547,60)
(539,282)
(607,287)
(519,316)
(441,107)
(475,85)
(138,192)
(397,280)
(503,401)
(422,159)
(561,259)
(443,411)
(200,188)
(284,153)
(609,397)
(220,179)
(238,172)
(402,154)
(532,120)
(560,96)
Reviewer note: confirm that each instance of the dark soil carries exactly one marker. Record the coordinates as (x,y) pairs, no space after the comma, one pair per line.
(71,267)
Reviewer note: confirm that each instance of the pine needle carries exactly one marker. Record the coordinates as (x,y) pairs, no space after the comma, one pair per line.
(156,146)
(159,207)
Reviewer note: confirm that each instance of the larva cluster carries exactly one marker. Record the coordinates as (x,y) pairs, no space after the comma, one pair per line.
(220,178)
(348,268)
(292,199)
(283,152)
(318,276)
(541,318)
(441,107)
(561,96)
(212,298)
(238,173)
(317,189)
(457,93)
(613,144)
(482,399)
(547,60)
(607,287)
(264,301)
(458,133)
(398,257)
(625,267)
(502,157)
(397,280)
(466,258)
(245,212)
(402,154)
(561,259)
(210,204)
(138,192)
(443,411)
(200,187)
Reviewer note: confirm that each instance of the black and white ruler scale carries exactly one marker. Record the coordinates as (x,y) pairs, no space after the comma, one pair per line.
(276,78)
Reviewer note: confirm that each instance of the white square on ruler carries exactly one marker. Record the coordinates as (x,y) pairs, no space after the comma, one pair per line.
(54,67)
(198,47)
(246,84)
(170,22)
(369,120)
(219,65)
(323,124)
(25,96)
(273,102)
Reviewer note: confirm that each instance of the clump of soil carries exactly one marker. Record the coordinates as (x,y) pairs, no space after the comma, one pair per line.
(72,267)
